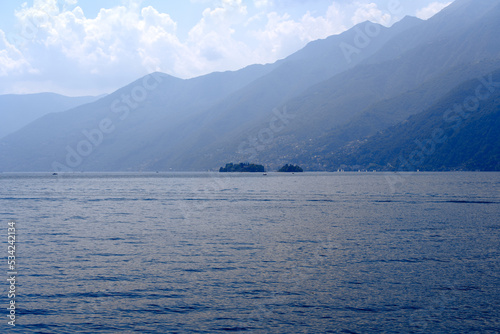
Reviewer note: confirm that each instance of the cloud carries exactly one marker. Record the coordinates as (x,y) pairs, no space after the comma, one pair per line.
(123,43)
(431,10)
(118,45)
(12,60)
(59,46)
(370,12)
(282,35)
(260,4)
(211,42)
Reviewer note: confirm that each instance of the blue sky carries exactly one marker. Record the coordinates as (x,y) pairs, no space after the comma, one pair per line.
(77,47)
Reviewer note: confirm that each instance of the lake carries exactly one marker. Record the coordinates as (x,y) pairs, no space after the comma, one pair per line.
(282,253)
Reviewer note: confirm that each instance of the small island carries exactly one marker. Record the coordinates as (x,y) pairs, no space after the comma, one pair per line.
(290,169)
(242,168)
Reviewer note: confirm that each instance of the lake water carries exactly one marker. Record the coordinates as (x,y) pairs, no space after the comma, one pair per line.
(214,253)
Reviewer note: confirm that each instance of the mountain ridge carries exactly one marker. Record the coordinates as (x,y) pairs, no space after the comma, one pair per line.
(18,110)
(311,96)
(453,134)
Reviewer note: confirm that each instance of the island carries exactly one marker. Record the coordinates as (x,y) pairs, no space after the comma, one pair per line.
(242,168)
(290,169)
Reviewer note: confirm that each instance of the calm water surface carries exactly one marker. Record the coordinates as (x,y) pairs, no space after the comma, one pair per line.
(214,253)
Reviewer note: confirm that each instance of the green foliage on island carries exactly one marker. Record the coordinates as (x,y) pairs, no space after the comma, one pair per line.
(242,168)
(290,169)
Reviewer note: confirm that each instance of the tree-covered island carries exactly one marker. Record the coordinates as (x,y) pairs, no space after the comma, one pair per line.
(290,169)
(242,168)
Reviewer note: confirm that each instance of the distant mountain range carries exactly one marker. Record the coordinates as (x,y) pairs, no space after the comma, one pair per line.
(18,111)
(363,99)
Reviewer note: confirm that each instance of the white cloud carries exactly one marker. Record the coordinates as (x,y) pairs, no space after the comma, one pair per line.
(283,35)
(262,3)
(211,42)
(122,43)
(12,60)
(370,12)
(431,10)
(61,46)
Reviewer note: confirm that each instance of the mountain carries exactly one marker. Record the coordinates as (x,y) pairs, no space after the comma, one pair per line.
(383,114)
(459,132)
(220,125)
(156,133)
(131,116)
(462,16)
(316,105)
(19,110)
(327,107)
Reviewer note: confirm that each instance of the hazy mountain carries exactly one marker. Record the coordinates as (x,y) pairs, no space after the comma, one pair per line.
(136,114)
(217,132)
(17,111)
(218,126)
(438,63)
(336,91)
(177,112)
(381,115)
(459,132)
(453,20)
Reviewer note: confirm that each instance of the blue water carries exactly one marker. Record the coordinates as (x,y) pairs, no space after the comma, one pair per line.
(213,253)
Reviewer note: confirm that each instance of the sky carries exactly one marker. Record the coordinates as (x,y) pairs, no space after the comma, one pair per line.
(91,47)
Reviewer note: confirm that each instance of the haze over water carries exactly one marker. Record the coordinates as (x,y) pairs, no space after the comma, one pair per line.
(210,253)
